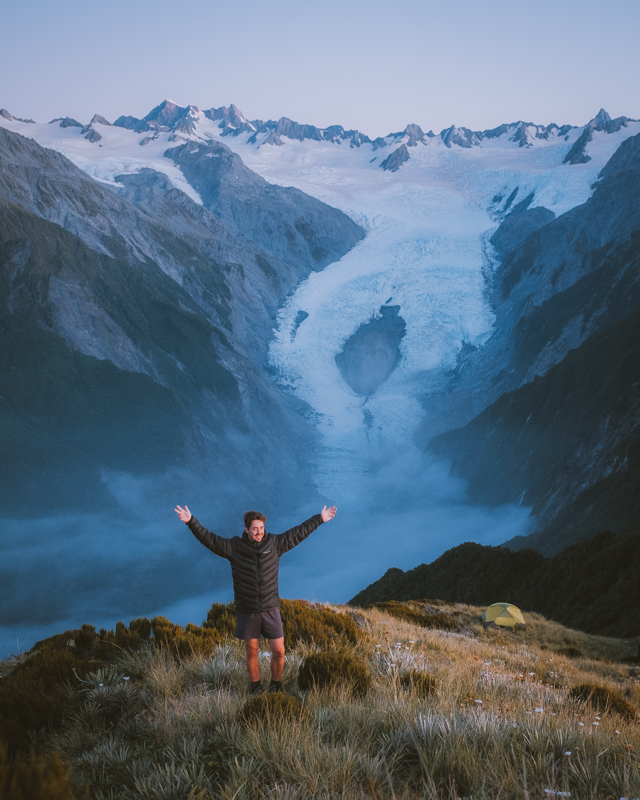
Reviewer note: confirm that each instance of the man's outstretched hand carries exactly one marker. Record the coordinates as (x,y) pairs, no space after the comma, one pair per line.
(328,513)
(184,513)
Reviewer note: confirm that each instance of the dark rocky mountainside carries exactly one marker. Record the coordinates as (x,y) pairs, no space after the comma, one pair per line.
(285,222)
(591,586)
(557,383)
(567,443)
(133,333)
(370,355)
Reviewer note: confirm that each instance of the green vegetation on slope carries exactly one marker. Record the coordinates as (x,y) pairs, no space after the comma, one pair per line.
(592,586)
(447,714)
(31,696)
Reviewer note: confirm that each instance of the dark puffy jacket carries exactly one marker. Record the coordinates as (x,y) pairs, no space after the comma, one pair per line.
(254,565)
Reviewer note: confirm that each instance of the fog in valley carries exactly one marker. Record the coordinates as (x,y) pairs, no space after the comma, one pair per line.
(60,572)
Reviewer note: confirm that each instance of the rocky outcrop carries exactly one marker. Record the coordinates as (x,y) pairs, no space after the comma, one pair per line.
(369,357)
(132,124)
(463,137)
(68,122)
(98,119)
(415,135)
(6,115)
(393,162)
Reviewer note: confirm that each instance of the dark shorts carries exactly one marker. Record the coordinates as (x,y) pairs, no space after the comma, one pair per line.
(265,623)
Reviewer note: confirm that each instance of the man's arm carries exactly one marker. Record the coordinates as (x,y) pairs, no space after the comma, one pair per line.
(217,544)
(289,539)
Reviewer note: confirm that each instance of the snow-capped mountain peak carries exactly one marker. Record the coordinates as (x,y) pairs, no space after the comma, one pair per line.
(603,123)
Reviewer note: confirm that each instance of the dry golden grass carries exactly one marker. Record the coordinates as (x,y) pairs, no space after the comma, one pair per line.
(499,725)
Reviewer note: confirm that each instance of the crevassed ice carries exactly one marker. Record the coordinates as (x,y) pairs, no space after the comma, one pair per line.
(425,251)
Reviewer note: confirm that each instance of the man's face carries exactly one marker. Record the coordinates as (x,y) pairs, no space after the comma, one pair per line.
(256,530)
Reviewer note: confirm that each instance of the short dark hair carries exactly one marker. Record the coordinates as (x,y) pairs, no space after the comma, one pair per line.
(250,516)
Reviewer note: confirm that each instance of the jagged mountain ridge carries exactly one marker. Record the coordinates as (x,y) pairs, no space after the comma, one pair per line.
(169,116)
(182,122)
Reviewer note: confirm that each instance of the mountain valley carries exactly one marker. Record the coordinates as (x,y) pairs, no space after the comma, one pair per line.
(196,304)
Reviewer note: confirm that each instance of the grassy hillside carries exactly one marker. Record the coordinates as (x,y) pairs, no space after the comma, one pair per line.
(444,713)
(592,586)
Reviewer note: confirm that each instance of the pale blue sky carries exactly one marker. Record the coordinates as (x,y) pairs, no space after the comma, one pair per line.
(369,65)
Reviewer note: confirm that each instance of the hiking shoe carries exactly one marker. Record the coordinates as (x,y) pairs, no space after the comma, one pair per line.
(275,686)
(256,688)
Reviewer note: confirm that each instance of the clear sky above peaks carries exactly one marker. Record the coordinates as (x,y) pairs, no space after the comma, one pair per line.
(369,65)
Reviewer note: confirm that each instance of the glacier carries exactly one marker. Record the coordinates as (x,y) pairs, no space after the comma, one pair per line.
(426,250)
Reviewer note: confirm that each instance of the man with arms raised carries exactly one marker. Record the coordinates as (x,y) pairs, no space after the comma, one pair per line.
(254,558)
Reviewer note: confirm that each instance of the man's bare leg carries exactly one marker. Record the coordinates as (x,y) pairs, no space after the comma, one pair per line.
(251,650)
(277,657)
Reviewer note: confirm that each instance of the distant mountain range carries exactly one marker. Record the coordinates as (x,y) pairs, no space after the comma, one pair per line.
(182,121)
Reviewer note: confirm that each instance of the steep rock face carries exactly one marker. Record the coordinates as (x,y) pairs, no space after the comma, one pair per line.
(558,285)
(567,443)
(567,300)
(372,353)
(393,162)
(601,122)
(518,224)
(94,370)
(463,137)
(133,337)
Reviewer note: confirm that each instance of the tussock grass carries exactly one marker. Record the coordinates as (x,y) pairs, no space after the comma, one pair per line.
(448,714)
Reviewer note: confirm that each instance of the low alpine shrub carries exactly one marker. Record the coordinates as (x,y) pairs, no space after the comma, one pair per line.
(421,683)
(603,699)
(441,620)
(221,618)
(321,670)
(569,652)
(272,708)
(106,644)
(30,696)
(321,626)
(36,779)
(184,642)
(301,622)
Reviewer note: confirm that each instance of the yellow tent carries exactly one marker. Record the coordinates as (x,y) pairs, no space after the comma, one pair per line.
(503,615)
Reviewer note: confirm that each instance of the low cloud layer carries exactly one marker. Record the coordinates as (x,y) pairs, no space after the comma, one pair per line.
(60,572)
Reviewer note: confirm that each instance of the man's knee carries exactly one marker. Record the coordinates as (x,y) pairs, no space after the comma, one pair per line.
(277,649)
(251,647)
